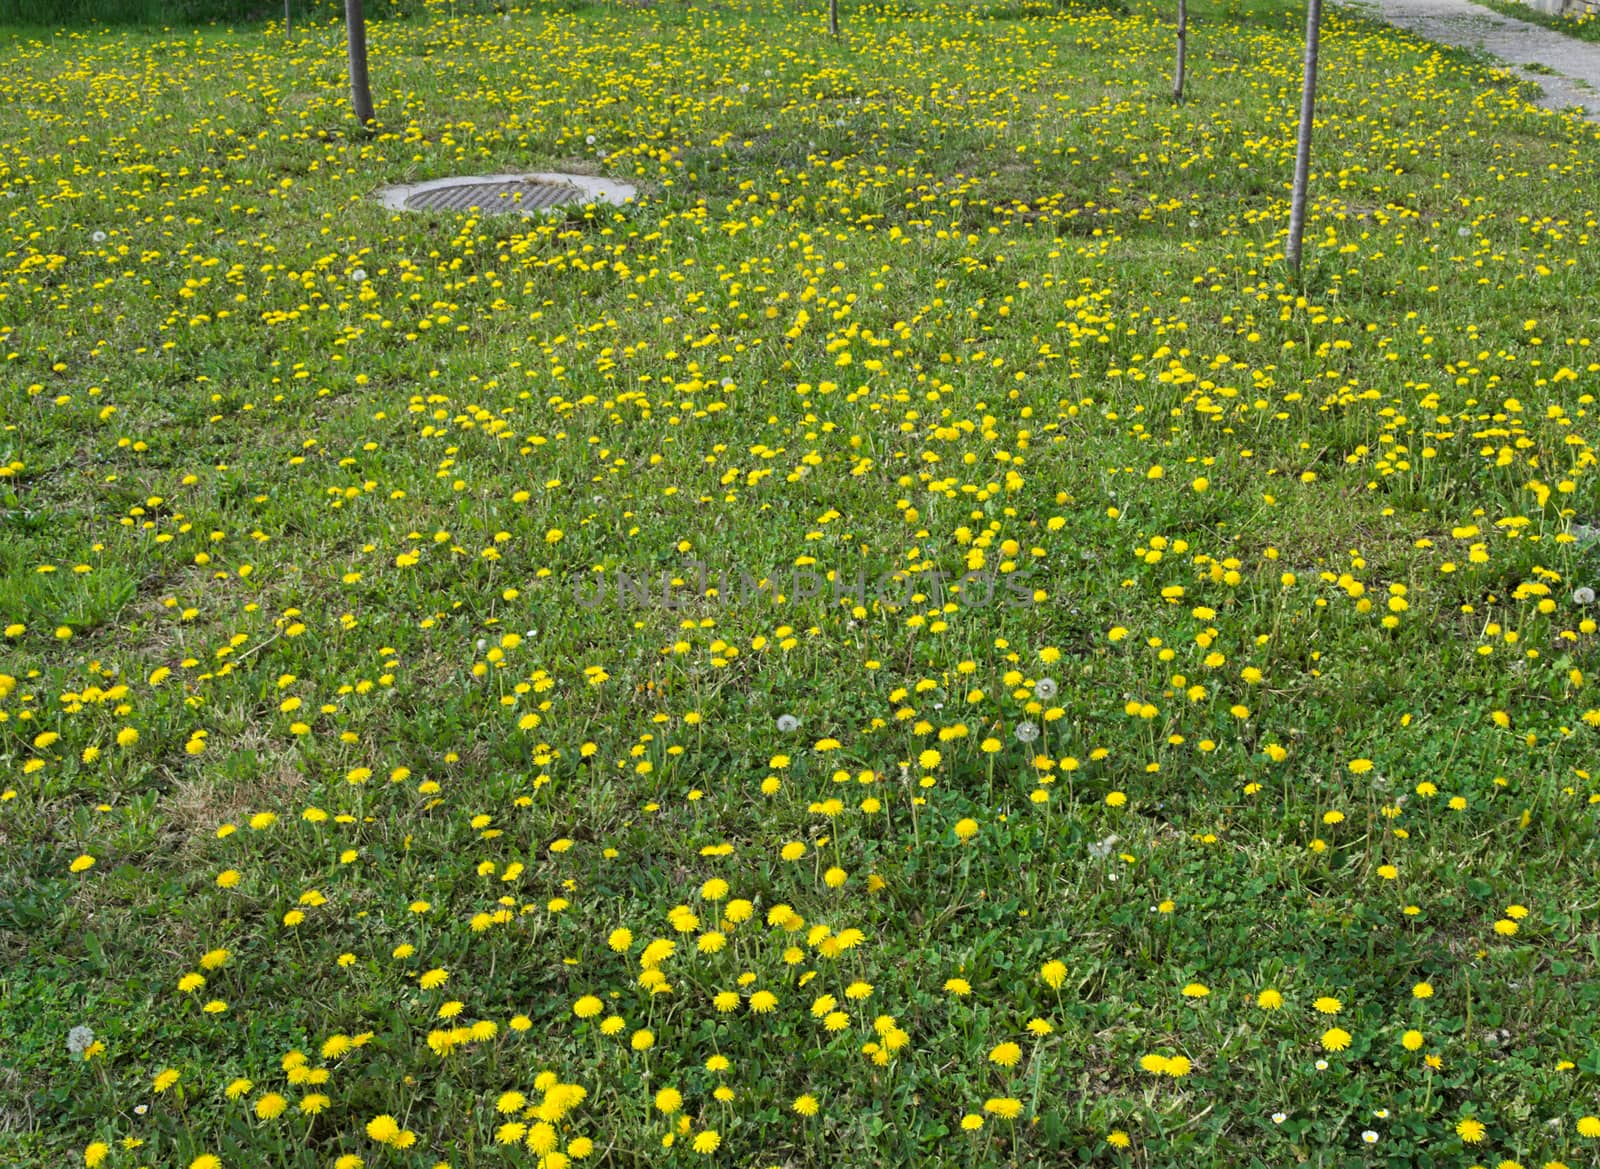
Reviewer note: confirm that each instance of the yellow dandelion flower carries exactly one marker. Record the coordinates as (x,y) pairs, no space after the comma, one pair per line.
(1470,1130)
(1005,1055)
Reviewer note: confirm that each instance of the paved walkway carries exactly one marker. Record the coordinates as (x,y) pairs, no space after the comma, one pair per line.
(1464,25)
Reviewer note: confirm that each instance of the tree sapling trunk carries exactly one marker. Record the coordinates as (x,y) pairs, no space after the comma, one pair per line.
(1183,51)
(1302,152)
(355,23)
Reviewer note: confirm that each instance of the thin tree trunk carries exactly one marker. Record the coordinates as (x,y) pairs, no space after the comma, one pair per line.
(286,29)
(1183,50)
(833,18)
(355,24)
(1302,151)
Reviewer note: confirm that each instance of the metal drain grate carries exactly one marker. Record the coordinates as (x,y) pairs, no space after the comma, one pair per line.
(506,194)
(492,198)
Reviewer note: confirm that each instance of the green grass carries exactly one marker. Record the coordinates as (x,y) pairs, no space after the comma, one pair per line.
(304,504)
(54,14)
(1585,25)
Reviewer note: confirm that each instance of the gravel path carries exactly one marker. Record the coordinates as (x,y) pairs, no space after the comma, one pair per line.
(1464,25)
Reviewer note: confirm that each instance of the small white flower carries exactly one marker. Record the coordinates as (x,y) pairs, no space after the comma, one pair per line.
(1583,596)
(1322,1065)
(482,645)
(1369,1137)
(140,1109)
(787,723)
(1381,1113)
(1279,1117)
(99,237)
(589,138)
(359,275)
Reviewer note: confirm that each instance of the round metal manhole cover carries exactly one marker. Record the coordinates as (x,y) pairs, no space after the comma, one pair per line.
(505,194)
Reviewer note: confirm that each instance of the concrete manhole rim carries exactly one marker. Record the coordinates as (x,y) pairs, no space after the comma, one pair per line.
(586,189)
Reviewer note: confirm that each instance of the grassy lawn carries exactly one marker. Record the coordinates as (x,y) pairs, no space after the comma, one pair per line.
(1093,699)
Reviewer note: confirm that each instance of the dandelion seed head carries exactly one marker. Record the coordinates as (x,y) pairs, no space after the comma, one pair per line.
(80,1039)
